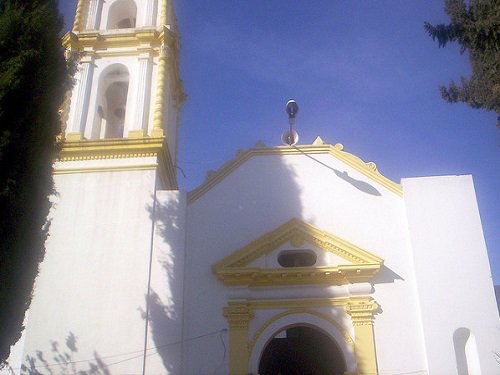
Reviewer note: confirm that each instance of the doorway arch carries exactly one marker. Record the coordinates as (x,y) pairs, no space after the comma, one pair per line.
(302,350)
(324,323)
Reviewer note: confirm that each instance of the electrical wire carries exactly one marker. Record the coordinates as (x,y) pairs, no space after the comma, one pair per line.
(138,353)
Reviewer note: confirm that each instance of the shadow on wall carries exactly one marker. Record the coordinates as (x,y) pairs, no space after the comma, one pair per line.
(64,361)
(163,311)
(497,294)
(386,276)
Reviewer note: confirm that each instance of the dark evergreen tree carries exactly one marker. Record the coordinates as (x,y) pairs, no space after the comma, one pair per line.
(33,76)
(476,27)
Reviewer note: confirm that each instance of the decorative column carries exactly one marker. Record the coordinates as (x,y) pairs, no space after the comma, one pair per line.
(163,14)
(79,120)
(160,94)
(361,312)
(238,317)
(93,16)
(150,14)
(78,16)
(143,95)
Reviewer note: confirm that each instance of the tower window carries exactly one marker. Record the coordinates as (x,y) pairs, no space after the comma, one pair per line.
(122,14)
(297,258)
(112,103)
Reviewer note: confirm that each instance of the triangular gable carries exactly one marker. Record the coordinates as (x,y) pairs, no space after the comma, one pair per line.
(369,169)
(360,265)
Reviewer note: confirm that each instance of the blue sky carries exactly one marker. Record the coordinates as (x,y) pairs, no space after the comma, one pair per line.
(364,74)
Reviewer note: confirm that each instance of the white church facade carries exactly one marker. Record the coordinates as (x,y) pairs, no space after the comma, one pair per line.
(287,260)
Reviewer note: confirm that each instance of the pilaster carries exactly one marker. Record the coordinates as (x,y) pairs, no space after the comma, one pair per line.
(150,15)
(238,316)
(82,99)
(143,95)
(361,312)
(94,13)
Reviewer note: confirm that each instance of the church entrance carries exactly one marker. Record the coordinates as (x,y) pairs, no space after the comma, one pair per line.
(302,350)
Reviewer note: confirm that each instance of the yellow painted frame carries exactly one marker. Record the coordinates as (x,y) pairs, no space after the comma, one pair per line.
(361,309)
(234,270)
(120,148)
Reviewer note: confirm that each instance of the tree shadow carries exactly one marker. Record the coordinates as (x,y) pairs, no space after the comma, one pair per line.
(63,361)
(164,297)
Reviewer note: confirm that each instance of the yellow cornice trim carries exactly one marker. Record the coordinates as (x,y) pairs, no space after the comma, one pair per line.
(141,167)
(233,270)
(339,275)
(110,148)
(100,41)
(303,306)
(122,148)
(369,169)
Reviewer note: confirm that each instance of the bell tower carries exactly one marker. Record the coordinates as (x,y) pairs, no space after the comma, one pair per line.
(127,93)
(109,293)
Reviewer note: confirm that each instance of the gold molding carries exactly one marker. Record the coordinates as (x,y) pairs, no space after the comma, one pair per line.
(240,313)
(234,270)
(361,312)
(369,169)
(123,148)
(79,19)
(140,167)
(238,317)
(101,40)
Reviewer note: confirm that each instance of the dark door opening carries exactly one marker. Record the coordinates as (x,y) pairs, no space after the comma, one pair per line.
(302,350)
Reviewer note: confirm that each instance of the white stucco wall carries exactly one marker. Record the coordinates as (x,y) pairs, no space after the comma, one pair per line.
(104,250)
(267,191)
(451,265)
(93,281)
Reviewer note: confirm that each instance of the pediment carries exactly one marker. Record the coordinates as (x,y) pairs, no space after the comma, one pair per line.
(369,169)
(256,264)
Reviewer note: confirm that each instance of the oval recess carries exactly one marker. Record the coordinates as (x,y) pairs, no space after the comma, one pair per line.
(297,258)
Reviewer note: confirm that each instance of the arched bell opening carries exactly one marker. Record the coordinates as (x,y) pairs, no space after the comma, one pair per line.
(122,15)
(304,350)
(112,103)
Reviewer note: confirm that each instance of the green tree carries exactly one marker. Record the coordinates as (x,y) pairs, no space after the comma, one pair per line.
(33,79)
(476,28)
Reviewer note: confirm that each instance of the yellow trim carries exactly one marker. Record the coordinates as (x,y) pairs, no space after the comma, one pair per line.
(368,169)
(136,133)
(240,313)
(233,270)
(161,78)
(99,41)
(238,317)
(71,137)
(142,167)
(163,14)
(79,15)
(121,149)
(361,313)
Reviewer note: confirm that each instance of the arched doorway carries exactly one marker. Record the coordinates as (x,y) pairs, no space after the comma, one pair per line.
(301,350)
